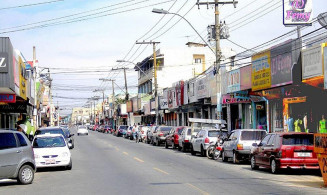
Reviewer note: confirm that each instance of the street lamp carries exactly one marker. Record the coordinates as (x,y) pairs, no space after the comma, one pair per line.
(161,11)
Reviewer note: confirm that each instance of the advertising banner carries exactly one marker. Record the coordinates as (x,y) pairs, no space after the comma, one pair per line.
(147,110)
(297,12)
(281,64)
(129,106)
(7,98)
(152,104)
(192,95)
(170,98)
(246,77)
(261,78)
(164,100)
(185,93)
(4,65)
(135,104)
(234,81)
(179,88)
(325,66)
(312,62)
(201,88)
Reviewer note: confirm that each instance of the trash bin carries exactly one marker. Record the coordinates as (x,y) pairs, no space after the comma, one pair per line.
(320,148)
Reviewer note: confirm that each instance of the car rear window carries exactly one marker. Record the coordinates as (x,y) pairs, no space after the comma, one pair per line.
(52,131)
(305,139)
(82,127)
(165,128)
(195,131)
(213,133)
(7,140)
(252,135)
(180,131)
(48,142)
(123,127)
(21,139)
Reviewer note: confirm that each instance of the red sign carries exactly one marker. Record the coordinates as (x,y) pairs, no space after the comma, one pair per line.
(8,98)
(228,99)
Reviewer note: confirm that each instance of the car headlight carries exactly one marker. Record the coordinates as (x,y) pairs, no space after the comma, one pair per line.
(65,154)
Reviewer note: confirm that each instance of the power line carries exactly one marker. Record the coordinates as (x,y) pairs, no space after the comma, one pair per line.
(28,5)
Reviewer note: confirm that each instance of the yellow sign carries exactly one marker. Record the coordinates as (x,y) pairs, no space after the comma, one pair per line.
(261,75)
(22,78)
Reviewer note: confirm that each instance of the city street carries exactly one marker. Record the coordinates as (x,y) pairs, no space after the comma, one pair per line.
(104,164)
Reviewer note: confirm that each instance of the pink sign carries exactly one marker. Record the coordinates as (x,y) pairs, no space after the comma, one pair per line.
(228,99)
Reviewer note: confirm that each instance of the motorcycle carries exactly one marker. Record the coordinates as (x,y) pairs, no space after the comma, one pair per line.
(214,150)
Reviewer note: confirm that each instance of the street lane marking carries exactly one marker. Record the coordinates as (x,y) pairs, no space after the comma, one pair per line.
(161,171)
(202,192)
(125,153)
(138,159)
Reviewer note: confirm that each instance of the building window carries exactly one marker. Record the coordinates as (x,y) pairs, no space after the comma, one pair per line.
(197,60)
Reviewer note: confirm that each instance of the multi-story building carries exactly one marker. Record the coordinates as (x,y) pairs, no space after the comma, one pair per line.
(81,116)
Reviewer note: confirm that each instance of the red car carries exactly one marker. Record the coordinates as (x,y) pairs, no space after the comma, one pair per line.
(285,150)
(172,137)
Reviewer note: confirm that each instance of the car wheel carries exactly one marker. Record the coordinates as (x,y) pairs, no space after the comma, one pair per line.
(157,143)
(166,144)
(274,167)
(87,134)
(183,148)
(216,154)
(192,151)
(77,134)
(209,153)
(223,157)
(203,152)
(25,175)
(235,160)
(70,166)
(253,164)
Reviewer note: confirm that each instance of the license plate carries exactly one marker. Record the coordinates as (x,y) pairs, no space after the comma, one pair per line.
(50,161)
(303,154)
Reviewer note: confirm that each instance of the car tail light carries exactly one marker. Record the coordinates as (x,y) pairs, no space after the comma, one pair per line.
(282,153)
(185,141)
(176,136)
(239,146)
(206,140)
(161,134)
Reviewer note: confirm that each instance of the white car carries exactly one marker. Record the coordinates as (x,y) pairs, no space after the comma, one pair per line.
(51,150)
(203,139)
(82,130)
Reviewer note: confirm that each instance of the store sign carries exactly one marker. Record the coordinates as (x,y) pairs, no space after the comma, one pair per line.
(234,81)
(272,93)
(163,101)
(201,88)
(261,78)
(246,77)
(312,62)
(129,106)
(230,99)
(294,100)
(135,105)
(171,94)
(4,66)
(7,98)
(14,108)
(153,105)
(281,64)
(325,66)
(297,12)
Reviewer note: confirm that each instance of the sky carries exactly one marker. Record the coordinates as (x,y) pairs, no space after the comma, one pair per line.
(87,37)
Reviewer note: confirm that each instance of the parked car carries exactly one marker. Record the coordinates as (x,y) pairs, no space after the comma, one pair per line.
(82,130)
(285,150)
(202,140)
(239,143)
(107,129)
(184,140)
(70,139)
(121,131)
(172,137)
(159,135)
(101,129)
(150,134)
(54,130)
(51,150)
(143,133)
(16,157)
(129,133)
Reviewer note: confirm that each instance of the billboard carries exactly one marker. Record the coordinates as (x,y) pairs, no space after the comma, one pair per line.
(234,81)
(261,78)
(246,77)
(297,12)
(312,62)
(201,88)
(281,64)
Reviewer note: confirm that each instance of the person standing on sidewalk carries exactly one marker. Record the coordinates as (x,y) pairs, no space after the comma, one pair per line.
(322,125)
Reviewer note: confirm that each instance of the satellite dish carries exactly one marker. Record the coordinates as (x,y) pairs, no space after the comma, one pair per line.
(322,19)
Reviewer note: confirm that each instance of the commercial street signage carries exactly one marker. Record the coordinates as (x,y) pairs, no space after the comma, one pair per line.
(312,62)
(230,99)
(297,12)
(246,75)
(4,66)
(163,101)
(234,81)
(261,78)
(14,108)
(7,98)
(325,66)
(281,64)
(129,106)
(201,88)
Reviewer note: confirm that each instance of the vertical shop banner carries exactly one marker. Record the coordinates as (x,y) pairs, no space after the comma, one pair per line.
(129,105)
(325,66)
(312,62)
(234,81)
(185,93)
(261,77)
(281,64)
(135,104)
(164,100)
(246,77)
(170,98)
(297,12)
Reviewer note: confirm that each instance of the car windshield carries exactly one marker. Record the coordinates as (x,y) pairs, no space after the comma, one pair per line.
(123,127)
(252,135)
(82,127)
(165,128)
(48,142)
(51,131)
(213,133)
(305,139)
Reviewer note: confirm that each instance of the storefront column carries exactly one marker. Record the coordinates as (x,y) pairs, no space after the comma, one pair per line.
(254,116)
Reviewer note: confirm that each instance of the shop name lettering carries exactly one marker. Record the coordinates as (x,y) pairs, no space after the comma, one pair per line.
(8,107)
(281,64)
(260,64)
(2,64)
(7,98)
(295,15)
(234,78)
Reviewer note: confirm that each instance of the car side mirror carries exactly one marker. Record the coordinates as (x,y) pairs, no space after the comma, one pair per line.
(254,144)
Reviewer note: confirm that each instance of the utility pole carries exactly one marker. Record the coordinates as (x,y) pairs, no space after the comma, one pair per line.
(155,76)
(217,38)
(126,89)
(113,99)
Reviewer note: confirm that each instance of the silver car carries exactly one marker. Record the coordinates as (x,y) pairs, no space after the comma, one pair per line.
(239,143)
(184,140)
(16,157)
(202,140)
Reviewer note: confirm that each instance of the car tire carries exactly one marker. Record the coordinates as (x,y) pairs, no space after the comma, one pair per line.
(274,167)
(77,134)
(192,151)
(203,152)
(157,143)
(25,175)
(153,143)
(70,165)
(208,153)
(235,160)
(253,164)
(223,157)
(87,134)
(166,145)
(179,148)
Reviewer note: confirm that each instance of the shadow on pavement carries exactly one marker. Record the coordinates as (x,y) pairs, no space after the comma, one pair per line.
(8,182)
(50,169)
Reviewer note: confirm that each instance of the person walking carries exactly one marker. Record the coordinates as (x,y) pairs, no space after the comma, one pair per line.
(322,125)
(298,124)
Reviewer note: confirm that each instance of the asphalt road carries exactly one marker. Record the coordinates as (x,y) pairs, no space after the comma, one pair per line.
(104,164)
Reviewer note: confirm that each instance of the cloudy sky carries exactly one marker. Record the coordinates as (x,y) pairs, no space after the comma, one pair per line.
(87,37)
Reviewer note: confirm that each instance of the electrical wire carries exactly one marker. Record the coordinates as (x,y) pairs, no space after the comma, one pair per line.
(29,5)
